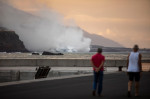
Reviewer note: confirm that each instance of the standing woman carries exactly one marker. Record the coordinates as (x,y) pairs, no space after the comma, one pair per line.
(134,68)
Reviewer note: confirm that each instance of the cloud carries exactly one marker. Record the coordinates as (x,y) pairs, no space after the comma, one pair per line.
(121,30)
(123,18)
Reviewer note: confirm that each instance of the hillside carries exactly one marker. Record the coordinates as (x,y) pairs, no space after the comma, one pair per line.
(10,42)
(100,40)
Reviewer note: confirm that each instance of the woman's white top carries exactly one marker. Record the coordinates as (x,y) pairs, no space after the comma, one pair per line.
(133,62)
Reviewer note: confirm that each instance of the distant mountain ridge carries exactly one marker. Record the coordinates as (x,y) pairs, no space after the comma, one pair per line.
(100,40)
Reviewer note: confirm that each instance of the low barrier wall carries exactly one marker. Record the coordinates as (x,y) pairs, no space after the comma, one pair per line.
(60,62)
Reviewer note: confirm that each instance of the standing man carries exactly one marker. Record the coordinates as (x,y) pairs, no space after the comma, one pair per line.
(97,62)
(134,68)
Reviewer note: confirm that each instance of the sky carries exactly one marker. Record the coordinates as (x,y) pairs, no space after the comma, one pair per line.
(124,21)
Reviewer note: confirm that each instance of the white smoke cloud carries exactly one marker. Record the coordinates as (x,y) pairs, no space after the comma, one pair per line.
(43,31)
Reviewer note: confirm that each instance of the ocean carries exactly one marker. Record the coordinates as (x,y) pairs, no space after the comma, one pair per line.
(108,55)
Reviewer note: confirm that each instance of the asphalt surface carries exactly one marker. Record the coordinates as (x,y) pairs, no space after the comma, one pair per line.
(114,87)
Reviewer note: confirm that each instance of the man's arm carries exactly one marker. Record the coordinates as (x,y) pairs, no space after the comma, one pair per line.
(101,65)
(139,62)
(93,64)
(128,60)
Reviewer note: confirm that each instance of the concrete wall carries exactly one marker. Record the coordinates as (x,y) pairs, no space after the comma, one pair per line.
(9,75)
(58,62)
(15,75)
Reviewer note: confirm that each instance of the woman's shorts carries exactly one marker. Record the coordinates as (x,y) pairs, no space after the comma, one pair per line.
(134,76)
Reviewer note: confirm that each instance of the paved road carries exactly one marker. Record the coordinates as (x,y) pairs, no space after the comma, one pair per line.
(115,87)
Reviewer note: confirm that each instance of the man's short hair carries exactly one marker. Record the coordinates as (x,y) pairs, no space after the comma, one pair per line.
(99,50)
(136,47)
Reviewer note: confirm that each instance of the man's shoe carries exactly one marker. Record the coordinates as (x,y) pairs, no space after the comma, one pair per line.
(94,93)
(137,95)
(129,94)
(100,95)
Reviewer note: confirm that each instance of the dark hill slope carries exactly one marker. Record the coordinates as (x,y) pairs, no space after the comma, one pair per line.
(10,42)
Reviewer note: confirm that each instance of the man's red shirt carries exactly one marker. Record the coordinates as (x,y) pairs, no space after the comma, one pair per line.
(97,60)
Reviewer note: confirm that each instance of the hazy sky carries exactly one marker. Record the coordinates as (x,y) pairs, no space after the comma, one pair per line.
(124,21)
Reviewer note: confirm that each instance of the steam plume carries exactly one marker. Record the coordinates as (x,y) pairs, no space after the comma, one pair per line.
(43,31)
